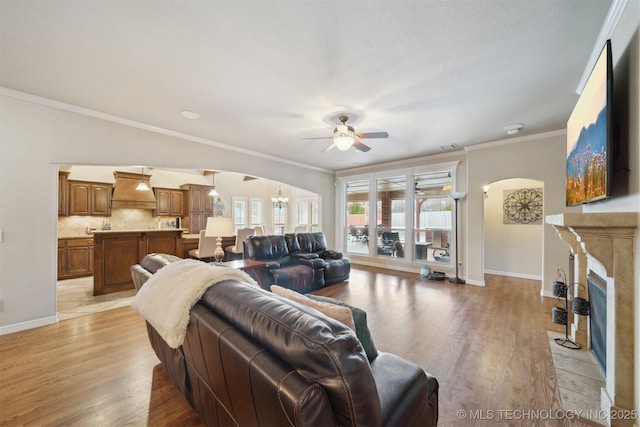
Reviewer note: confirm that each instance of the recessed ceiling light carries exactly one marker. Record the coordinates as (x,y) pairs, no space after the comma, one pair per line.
(189,115)
(514,128)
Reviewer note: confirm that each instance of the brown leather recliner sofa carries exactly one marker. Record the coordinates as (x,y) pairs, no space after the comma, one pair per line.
(297,261)
(337,266)
(253,358)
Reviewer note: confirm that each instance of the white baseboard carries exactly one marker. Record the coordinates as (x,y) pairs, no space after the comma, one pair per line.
(516,275)
(547,294)
(475,282)
(23,326)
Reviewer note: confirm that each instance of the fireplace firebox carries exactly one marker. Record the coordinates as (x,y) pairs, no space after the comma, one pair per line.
(598,318)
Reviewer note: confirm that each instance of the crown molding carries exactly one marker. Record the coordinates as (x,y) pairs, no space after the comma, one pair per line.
(35,99)
(516,140)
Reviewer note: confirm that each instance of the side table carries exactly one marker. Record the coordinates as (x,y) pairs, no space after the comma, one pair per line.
(256,269)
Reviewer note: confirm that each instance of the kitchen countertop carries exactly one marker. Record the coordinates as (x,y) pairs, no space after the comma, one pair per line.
(139,230)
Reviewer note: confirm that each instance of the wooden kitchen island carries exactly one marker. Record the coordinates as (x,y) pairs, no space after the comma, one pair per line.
(114,252)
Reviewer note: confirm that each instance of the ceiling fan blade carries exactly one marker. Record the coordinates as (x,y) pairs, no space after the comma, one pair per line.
(319,137)
(373,135)
(329,148)
(360,146)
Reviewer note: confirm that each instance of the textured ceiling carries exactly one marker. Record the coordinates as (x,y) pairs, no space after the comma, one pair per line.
(263,75)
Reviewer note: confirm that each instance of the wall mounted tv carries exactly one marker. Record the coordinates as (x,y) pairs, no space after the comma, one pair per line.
(589,136)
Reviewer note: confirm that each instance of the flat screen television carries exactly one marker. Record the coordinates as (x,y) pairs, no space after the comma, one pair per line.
(589,136)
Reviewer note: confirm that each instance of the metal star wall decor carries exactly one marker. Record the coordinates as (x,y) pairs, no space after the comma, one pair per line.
(523,206)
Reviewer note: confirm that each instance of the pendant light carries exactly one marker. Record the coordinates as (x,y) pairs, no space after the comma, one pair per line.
(213,192)
(142,186)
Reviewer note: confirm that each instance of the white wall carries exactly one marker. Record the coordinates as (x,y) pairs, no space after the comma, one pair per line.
(34,139)
(538,157)
(513,250)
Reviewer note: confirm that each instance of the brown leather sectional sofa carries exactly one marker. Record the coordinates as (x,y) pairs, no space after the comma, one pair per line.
(253,358)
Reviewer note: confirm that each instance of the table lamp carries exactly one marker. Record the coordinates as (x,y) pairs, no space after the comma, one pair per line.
(218,226)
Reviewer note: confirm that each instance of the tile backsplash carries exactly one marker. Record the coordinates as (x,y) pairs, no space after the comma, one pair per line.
(120,219)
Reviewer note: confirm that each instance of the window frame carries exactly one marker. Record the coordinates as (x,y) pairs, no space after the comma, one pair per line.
(372,177)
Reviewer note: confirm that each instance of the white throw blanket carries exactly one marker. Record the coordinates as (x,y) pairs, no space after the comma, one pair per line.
(167,297)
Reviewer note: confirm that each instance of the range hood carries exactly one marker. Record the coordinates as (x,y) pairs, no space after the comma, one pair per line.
(125,194)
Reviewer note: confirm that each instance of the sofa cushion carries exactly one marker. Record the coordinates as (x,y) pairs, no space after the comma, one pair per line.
(297,277)
(312,242)
(266,248)
(340,313)
(319,348)
(360,321)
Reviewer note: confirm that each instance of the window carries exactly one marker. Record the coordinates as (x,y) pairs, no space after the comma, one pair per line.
(256,212)
(239,213)
(432,223)
(303,213)
(390,216)
(308,214)
(412,220)
(357,210)
(315,216)
(279,220)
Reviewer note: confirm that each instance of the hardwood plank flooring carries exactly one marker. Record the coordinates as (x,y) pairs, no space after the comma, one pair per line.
(487,346)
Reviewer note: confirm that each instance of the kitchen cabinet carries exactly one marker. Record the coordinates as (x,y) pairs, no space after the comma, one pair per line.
(198,206)
(75,257)
(116,251)
(89,198)
(63,193)
(169,202)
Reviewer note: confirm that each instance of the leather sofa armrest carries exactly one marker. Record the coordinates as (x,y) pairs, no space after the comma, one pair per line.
(305,255)
(312,260)
(329,254)
(272,265)
(408,395)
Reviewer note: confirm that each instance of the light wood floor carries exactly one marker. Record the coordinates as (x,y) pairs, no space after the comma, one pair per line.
(487,346)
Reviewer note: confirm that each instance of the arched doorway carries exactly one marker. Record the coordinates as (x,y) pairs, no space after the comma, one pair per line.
(513,228)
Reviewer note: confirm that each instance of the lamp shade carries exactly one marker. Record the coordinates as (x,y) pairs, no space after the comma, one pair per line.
(457,195)
(218,226)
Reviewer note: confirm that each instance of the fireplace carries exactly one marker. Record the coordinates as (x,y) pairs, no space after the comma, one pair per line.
(602,245)
(598,318)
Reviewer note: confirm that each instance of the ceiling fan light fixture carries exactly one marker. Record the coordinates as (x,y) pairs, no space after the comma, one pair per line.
(343,141)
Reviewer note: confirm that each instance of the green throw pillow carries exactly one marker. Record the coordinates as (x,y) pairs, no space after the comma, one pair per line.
(360,321)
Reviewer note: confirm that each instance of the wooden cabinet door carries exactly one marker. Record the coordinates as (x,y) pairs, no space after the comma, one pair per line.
(163,201)
(89,198)
(75,258)
(101,199)
(196,222)
(177,203)
(79,198)
(78,261)
(62,257)
(162,244)
(195,198)
(116,256)
(63,194)
(208,201)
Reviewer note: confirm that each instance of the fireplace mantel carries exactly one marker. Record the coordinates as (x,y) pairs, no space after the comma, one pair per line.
(603,243)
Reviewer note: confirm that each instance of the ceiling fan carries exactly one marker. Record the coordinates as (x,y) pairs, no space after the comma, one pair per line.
(344,137)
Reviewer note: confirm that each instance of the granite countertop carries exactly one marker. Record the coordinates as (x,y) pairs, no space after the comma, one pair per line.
(139,230)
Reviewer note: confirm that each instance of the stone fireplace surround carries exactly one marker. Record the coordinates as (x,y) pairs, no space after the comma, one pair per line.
(602,243)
